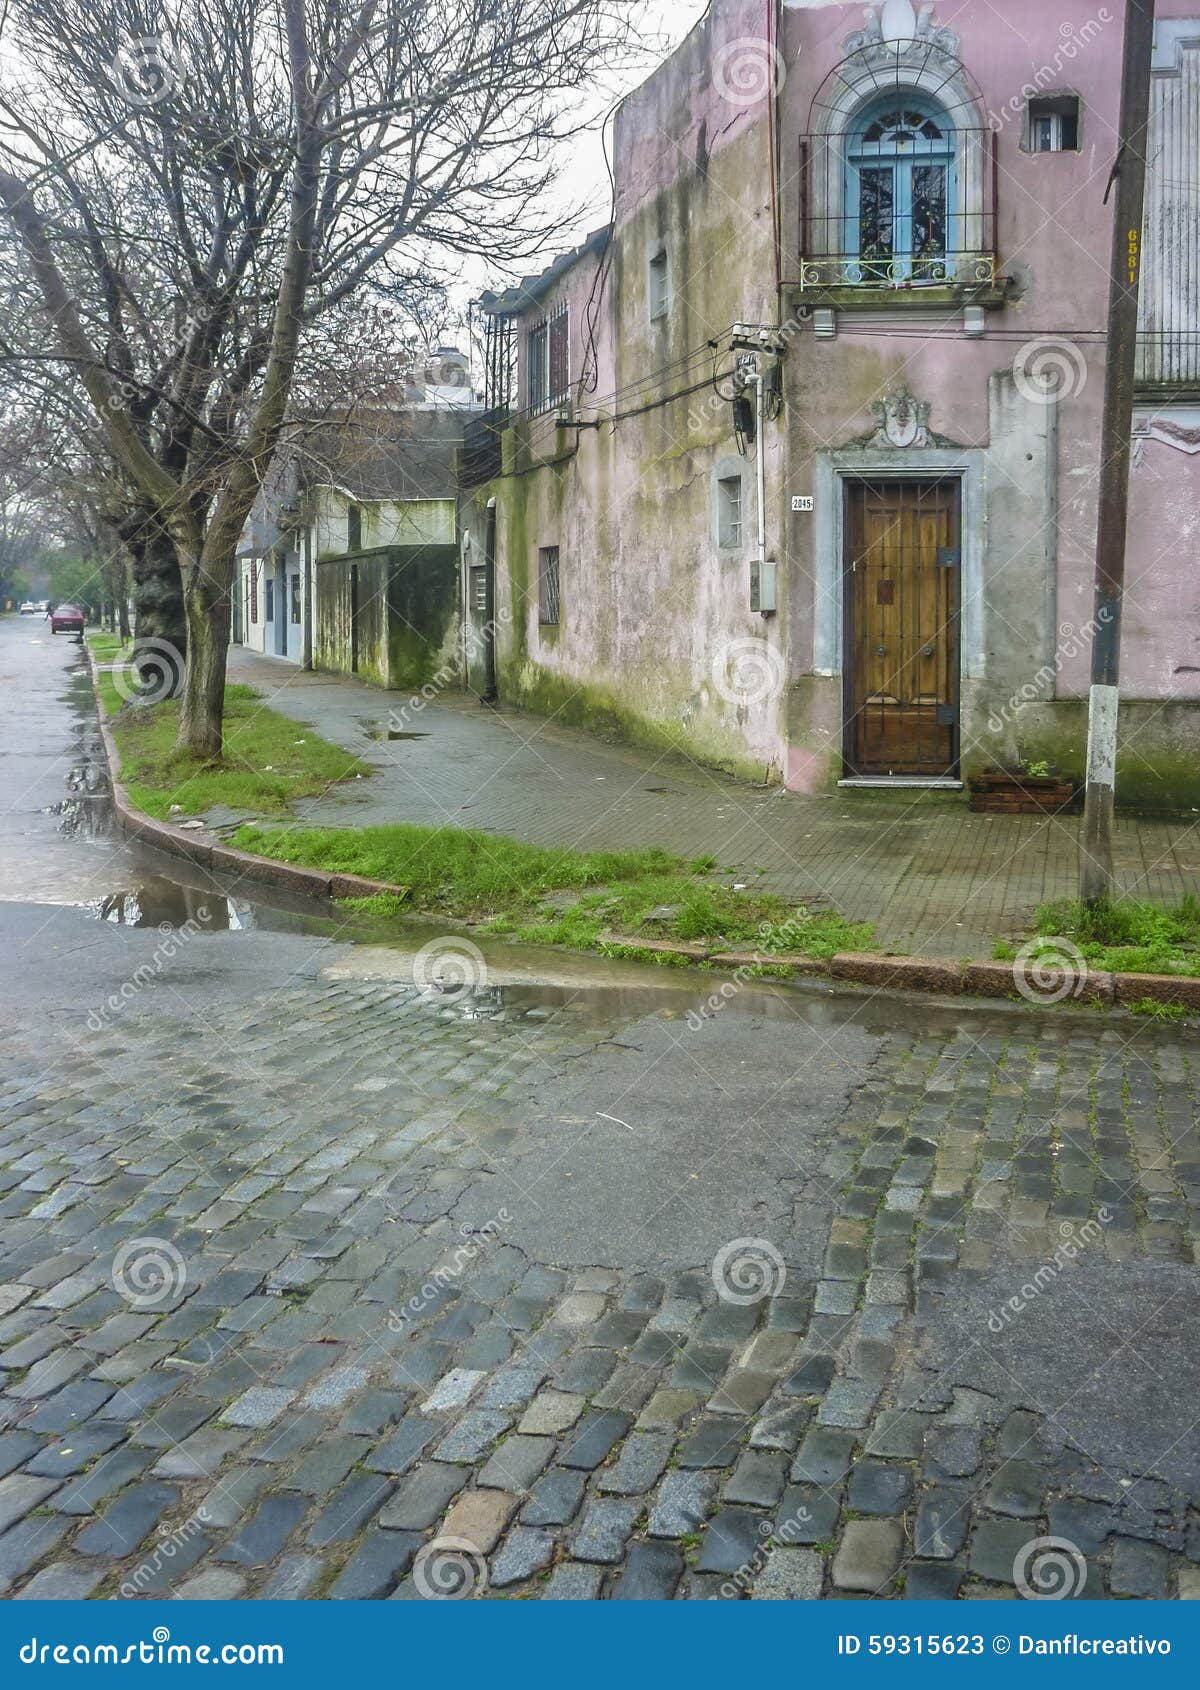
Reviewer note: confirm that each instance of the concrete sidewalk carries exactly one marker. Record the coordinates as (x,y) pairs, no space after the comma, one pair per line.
(934,879)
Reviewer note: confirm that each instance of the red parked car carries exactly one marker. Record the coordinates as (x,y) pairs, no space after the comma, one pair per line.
(67,619)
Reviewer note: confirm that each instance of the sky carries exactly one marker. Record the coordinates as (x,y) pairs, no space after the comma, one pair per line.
(583,190)
(663,24)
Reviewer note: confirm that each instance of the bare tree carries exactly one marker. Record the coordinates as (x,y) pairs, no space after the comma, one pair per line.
(195,184)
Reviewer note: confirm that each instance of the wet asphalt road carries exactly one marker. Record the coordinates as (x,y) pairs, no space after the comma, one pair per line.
(704,1273)
(79,905)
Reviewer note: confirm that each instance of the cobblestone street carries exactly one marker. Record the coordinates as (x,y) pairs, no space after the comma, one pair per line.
(320,1285)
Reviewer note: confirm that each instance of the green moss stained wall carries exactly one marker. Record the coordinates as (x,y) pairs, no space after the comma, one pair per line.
(407,612)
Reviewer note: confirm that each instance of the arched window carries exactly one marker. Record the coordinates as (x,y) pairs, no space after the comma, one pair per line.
(900,190)
(898,175)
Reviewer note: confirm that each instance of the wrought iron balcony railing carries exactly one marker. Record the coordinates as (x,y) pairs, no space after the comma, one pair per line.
(911,210)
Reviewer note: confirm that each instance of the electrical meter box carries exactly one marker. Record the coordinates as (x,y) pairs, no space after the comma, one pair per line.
(762,588)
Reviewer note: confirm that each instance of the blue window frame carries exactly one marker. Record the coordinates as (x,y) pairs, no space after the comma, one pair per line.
(900,192)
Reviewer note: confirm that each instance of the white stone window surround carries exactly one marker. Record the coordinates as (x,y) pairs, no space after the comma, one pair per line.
(729,512)
(858,82)
(729,467)
(834,469)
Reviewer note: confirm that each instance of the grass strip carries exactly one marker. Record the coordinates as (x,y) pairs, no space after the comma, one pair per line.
(267,760)
(556,895)
(1127,937)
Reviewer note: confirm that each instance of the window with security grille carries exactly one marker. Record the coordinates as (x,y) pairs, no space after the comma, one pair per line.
(729,510)
(548,586)
(549,361)
(252,593)
(899,190)
(295,584)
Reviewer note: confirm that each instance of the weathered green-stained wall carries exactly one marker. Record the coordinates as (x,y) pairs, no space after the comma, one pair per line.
(651,607)
(407,614)
(422,612)
(333,645)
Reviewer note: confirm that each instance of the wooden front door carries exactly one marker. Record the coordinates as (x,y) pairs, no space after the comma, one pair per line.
(901,603)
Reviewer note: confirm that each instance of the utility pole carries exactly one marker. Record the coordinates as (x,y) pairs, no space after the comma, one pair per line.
(1129,175)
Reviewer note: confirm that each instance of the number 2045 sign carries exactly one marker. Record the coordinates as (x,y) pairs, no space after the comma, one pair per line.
(802,501)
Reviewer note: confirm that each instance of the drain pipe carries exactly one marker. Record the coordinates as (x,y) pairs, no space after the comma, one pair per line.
(760,454)
(759,341)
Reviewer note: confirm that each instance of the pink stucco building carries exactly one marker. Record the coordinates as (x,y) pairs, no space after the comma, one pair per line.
(795,464)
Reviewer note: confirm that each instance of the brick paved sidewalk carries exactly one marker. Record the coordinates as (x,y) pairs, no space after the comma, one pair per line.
(935,879)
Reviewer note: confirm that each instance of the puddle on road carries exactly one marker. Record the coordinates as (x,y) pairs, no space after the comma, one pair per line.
(86,817)
(382,730)
(166,904)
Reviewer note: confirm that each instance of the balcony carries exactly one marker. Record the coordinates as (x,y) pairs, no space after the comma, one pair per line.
(899,213)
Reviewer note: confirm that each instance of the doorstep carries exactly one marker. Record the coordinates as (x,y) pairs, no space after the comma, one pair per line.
(921,783)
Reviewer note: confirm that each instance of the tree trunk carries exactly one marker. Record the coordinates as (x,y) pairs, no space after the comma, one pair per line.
(161,638)
(208,609)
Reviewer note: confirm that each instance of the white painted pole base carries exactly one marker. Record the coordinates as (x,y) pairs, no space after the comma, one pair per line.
(1095,870)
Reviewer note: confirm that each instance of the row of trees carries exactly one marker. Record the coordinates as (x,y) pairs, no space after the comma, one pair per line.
(220,219)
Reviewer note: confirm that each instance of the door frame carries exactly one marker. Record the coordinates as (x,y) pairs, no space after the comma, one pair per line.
(283,609)
(913,476)
(354,611)
(484,571)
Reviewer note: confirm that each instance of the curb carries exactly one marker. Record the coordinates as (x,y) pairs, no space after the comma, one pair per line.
(209,852)
(860,968)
